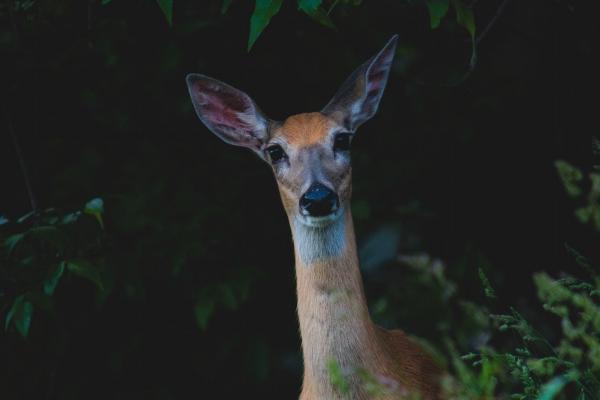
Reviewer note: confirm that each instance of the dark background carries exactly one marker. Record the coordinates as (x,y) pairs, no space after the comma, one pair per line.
(457,164)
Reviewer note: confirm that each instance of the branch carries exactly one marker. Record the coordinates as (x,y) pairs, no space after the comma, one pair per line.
(15,142)
(492,22)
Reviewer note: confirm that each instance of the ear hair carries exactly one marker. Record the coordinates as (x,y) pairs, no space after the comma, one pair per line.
(358,98)
(228,112)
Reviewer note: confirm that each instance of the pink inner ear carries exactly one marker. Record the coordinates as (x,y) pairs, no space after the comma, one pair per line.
(222,107)
(378,72)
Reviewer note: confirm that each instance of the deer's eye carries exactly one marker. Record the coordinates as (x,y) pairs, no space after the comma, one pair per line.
(276,153)
(342,142)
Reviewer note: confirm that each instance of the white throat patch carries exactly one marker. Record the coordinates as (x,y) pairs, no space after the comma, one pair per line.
(315,243)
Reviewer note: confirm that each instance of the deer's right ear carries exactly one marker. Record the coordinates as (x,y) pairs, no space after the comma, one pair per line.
(358,98)
(229,113)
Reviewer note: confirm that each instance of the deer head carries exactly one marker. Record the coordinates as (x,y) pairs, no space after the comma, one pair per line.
(309,152)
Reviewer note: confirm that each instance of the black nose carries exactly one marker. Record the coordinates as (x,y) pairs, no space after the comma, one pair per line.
(318,201)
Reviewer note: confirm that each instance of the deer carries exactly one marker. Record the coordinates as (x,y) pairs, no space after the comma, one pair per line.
(309,154)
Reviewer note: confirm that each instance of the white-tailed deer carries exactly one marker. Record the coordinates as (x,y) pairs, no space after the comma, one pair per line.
(309,154)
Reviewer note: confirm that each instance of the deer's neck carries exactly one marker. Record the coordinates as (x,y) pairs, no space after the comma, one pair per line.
(334,320)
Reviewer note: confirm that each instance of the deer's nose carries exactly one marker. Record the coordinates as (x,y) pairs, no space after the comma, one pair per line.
(318,201)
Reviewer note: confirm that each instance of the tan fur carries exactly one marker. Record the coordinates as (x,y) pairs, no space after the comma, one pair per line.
(302,130)
(335,325)
(332,310)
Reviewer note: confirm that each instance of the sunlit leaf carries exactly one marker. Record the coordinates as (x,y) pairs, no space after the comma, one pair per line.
(95,208)
(264,10)
(437,10)
(167,8)
(54,278)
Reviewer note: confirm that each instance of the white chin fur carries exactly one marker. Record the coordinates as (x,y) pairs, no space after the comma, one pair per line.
(320,222)
(317,239)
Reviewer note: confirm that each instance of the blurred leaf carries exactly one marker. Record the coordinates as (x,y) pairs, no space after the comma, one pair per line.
(437,10)
(105,2)
(87,270)
(464,17)
(26,217)
(3,220)
(49,234)
(203,310)
(487,287)
(570,177)
(228,296)
(337,377)
(20,313)
(361,209)
(11,242)
(70,218)
(264,10)
(225,6)
(54,278)
(314,10)
(167,8)
(553,387)
(95,207)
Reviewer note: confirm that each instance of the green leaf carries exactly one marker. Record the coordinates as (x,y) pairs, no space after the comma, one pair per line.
(464,17)
(26,217)
(53,279)
(70,218)
(228,296)
(225,6)
(490,293)
(570,177)
(203,310)
(167,8)
(314,10)
(20,313)
(437,11)
(11,242)
(264,10)
(87,270)
(105,2)
(337,377)
(553,387)
(95,208)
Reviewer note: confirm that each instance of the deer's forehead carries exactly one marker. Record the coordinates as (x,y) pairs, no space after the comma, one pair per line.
(303,130)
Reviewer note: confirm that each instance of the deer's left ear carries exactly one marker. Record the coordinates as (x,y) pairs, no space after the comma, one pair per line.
(228,112)
(358,98)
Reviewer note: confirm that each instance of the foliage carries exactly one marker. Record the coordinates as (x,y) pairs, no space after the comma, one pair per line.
(39,248)
(178,278)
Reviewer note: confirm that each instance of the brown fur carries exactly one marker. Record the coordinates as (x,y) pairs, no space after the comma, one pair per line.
(335,325)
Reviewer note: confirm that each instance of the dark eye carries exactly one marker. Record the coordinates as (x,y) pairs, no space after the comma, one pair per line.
(276,153)
(342,142)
